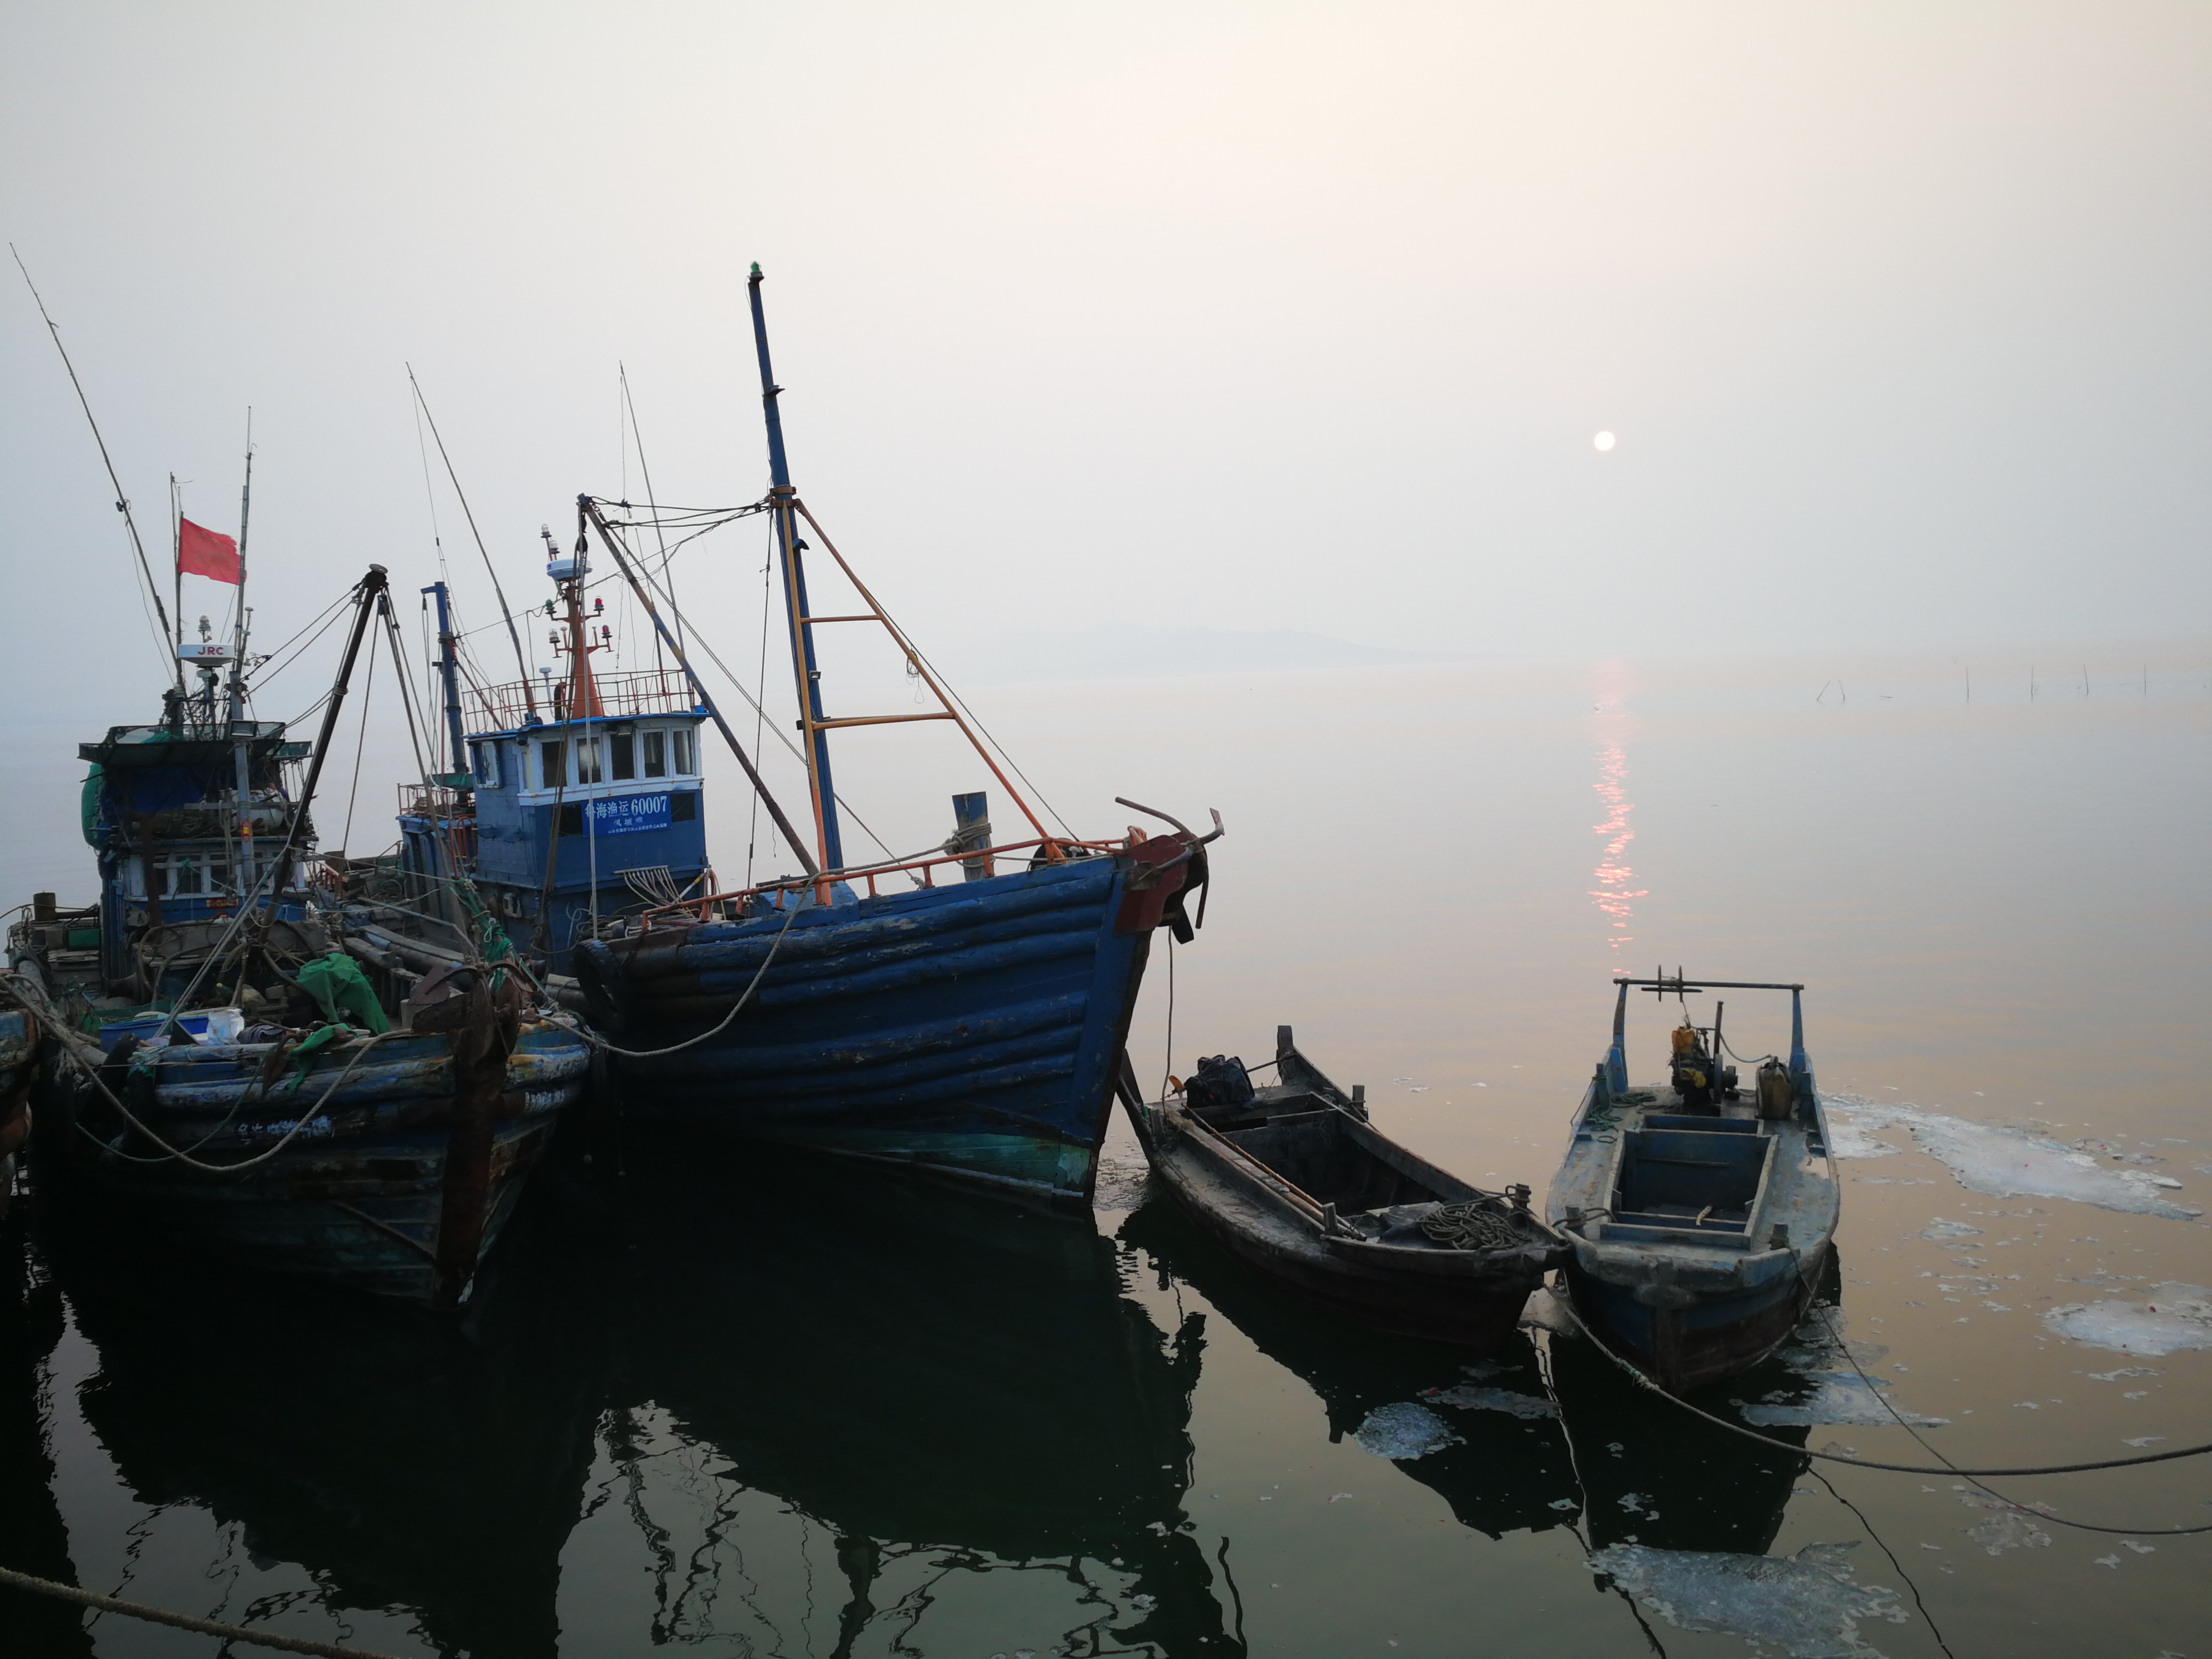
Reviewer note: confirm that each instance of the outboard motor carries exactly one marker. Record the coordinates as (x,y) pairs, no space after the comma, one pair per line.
(1220,1081)
(1695,1075)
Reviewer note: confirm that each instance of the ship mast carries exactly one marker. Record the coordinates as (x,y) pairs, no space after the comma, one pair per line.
(805,670)
(242,869)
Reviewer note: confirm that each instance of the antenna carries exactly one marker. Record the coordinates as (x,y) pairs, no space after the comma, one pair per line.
(122,502)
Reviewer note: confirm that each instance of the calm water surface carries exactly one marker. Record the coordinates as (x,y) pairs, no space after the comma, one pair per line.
(740,1404)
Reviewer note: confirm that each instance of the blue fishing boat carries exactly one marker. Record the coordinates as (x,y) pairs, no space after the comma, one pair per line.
(974,1027)
(212,1060)
(1701,1213)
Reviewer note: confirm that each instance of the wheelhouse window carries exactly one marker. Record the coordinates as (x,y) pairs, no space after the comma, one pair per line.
(679,744)
(484,760)
(552,764)
(656,754)
(622,754)
(588,769)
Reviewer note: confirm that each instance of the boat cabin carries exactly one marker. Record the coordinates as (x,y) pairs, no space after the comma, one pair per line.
(561,821)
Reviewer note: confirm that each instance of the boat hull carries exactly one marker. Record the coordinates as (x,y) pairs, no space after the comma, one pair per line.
(974,1030)
(358,1197)
(1467,1302)
(1712,1337)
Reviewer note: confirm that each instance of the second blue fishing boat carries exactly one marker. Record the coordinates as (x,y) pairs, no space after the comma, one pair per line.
(975,1028)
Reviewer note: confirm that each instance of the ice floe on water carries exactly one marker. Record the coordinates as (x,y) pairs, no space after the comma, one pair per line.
(1846,1391)
(1940,1230)
(1468,1397)
(2011,1527)
(2012,1163)
(1404,1430)
(1848,1141)
(2171,1317)
(1804,1606)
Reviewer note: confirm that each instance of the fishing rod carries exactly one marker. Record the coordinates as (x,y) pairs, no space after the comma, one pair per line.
(122,502)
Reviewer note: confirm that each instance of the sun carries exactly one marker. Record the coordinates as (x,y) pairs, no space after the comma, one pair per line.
(1604,441)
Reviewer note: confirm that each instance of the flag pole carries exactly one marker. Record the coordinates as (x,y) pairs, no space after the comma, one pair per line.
(243,875)
(176,568)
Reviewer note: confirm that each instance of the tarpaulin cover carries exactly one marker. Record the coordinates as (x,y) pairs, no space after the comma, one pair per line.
(342,992)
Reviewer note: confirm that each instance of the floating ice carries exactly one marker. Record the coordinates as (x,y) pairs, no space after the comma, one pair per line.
(2015,1164)
(1404,1430)
(1940,1229)
(1803,1606)
(2174,1316)
(1470,1398)
(1846,1140)
(2010,1528)
(1840,1398)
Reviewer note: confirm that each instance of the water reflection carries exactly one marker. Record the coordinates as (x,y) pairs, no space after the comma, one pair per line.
(1650,1476)
(811,1402)
(1613,896)
(402,1462)
(1508,1475)
(31,1536)
(918,1370)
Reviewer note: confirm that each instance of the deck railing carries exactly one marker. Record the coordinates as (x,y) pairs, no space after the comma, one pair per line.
(623,696)
(1051,849)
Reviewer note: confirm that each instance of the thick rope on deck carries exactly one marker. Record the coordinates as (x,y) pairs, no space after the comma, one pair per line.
(84,1598)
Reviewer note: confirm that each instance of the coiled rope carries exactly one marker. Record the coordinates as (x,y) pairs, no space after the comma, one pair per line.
(84,1598)
(1478,1225)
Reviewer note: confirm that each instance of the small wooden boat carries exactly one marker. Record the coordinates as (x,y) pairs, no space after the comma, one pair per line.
(1293,1179)
(1700,1218)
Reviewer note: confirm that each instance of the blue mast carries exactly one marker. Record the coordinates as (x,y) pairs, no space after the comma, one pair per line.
(456,756)
(803,667)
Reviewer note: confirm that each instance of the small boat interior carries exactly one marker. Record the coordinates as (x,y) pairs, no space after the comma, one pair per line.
(1313,1137)
(1697,1160)
(1682,1173)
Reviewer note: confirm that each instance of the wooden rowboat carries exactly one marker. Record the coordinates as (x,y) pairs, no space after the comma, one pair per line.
(1293,1179)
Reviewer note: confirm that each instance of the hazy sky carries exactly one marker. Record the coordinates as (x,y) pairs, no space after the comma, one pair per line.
(1235,315)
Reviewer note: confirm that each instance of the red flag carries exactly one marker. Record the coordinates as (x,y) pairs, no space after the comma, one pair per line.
(202,553)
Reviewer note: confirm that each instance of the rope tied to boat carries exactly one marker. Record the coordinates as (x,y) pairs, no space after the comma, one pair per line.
(1477,1224)
(266,1638)
(721,1025)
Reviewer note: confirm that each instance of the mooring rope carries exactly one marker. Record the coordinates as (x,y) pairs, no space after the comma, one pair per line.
(722,1025)
(84,1598)
(68,1049)
(1783,1446)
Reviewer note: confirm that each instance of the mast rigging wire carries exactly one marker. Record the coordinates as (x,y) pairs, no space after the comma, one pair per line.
(521,662)
(174,665)
(796,753)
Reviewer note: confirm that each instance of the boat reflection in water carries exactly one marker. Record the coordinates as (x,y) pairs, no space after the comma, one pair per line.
(947,1381)
(680,1375)
(1652,1476)
(33,1537)
(1509,1474)
(409,1465)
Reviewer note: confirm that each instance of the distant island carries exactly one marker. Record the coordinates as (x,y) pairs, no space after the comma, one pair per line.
(1137,650)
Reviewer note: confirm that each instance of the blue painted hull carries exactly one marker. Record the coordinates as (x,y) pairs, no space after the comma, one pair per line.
(975,1030)
(356,1197)
(1712,1337)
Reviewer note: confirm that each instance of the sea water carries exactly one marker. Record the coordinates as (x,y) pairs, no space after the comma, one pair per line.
(728,1403)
